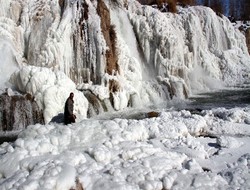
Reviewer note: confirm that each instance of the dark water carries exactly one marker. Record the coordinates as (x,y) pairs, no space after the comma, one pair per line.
(238,9)
(230,98)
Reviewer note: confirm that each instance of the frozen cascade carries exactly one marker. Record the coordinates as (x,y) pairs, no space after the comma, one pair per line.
(123,53)
(195,45)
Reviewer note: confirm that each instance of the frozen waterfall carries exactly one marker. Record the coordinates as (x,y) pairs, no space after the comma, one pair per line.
(120,52)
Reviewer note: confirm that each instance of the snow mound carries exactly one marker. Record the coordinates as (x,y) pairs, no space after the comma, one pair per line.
(50,89)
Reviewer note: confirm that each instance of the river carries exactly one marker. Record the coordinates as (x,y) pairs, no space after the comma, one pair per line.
(228,98)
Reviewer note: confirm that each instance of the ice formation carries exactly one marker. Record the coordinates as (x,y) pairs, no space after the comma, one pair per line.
(153,57)
(50,89)
(164,152)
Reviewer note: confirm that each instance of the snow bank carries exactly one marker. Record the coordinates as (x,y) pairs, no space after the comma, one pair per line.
(165,152)
(50,89)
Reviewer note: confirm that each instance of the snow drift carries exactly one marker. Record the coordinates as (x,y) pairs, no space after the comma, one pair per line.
(165,152)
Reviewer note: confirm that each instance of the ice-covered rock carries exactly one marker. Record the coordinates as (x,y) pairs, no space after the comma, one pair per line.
(50,89)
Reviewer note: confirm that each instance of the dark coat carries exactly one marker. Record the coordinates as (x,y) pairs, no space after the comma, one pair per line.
(69,116)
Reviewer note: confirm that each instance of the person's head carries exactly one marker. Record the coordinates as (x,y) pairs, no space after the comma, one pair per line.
(71,95)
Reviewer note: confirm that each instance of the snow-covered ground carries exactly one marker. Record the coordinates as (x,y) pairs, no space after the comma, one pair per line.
(160,55)
(176,150)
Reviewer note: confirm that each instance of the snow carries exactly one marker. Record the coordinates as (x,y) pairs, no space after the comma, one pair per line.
(50,89)
(11,43)
(176,150)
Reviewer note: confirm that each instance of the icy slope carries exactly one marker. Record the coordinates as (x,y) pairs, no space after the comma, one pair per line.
(123,53)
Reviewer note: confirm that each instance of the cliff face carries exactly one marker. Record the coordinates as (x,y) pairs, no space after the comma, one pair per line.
(17,112)
(248,39)
(120,52)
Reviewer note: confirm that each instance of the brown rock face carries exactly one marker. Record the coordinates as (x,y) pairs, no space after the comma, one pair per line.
(248,39)
(78,185)
(109,34)
(17,112)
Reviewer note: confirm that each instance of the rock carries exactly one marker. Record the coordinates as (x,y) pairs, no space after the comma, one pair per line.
(18,111)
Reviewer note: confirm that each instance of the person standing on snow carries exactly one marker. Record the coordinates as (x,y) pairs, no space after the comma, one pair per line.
(69,116)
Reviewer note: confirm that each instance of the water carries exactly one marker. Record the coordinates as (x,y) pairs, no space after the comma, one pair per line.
(229,98)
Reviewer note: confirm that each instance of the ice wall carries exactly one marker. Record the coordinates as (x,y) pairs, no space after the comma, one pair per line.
(160,55)
(195,45)
(11,40)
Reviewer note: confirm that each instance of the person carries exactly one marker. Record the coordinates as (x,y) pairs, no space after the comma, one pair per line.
(69,116)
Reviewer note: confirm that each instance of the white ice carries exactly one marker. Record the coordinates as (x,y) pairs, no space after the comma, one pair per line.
(177,150)
(50,89)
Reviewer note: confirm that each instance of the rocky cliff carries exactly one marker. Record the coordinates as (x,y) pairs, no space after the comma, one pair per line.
(18,111)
